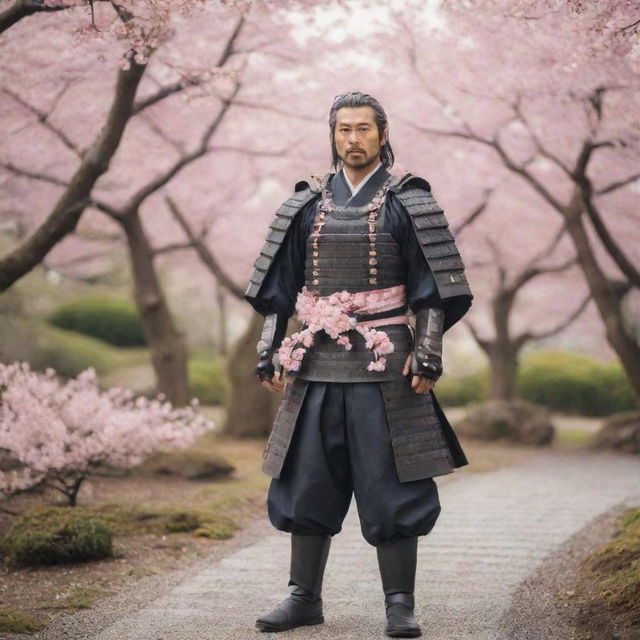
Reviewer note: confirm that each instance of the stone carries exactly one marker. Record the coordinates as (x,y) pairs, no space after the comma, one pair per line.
(514,420)
(620,431)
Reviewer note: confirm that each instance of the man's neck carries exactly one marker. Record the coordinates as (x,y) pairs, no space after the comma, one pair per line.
(356,176)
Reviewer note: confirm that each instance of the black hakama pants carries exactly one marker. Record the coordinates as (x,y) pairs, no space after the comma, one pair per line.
(341,447)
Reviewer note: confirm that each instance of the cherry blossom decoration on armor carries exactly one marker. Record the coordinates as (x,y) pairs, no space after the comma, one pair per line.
(336,314)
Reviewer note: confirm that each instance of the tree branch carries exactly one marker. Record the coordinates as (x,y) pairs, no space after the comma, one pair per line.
(485,345)
(185,82)
(22,9)
(527,336)
(67,211)
(160,181)
(204,253)
(176,246)
(43,118)
(34,175)
(474,213)
(619,257)
(617,185)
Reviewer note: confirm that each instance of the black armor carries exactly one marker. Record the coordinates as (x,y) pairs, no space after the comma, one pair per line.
(427,353)
(330,247)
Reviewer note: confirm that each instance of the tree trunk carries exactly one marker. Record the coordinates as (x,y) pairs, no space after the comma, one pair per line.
(502,351)
(503,362)
(168,352)
(251,408)
(223,345)
(607,302)
(69,208)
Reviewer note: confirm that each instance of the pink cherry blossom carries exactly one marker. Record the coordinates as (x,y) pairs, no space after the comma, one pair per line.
(377,365)
(59,432)
(335,315)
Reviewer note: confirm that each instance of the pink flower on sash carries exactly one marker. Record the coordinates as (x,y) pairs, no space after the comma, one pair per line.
(335,315)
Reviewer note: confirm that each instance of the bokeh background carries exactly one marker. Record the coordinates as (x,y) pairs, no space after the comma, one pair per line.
(146,146)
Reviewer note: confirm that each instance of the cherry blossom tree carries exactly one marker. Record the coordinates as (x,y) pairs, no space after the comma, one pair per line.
(541,95)
(60,433)
(503,349)
(166,345)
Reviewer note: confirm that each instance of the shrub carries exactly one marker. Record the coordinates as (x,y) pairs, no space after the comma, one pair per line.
(55,535)
(463,390)
(574,383)
(112,320)
(208,380)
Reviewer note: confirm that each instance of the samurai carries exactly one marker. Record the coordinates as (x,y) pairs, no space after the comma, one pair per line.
(365,261)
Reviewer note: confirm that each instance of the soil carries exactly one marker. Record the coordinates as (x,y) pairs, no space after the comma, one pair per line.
(561,600)
(156,559)
(46,591)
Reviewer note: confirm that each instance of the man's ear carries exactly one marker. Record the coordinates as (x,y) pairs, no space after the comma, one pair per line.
(384,136)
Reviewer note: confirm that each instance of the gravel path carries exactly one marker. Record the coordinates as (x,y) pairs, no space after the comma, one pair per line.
(495,529)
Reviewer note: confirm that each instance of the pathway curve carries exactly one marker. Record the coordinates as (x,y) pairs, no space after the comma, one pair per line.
(494,530)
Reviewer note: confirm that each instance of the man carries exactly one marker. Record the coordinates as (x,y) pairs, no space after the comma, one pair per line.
(351,256)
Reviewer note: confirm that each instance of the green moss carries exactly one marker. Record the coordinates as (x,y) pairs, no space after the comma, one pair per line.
(216,531)
(202,522)
(129,519)
(616,566)
(19,622)
(55,535)
(195,463)
(623,587)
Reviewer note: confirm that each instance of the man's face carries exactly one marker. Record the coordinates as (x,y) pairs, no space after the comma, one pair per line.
(356,136)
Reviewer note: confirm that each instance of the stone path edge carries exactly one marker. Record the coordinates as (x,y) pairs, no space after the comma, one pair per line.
(535,612)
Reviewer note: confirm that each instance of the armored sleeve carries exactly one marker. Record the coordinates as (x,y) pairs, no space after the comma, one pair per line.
(422,291)
(285,277)
(429,226)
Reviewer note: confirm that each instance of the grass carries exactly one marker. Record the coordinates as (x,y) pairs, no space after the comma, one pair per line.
(79,597)
(159,523)
(19,622)
(125,519)
(612,574)
(573,438)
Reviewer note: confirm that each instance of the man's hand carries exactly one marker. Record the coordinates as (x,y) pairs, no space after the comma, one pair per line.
(275,383)
(420,384)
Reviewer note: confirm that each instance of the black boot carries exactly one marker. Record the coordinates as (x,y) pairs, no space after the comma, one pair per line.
(397,562)
(304,605)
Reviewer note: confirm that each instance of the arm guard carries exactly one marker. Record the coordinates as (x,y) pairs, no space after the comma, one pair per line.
(273,332)
(427,354)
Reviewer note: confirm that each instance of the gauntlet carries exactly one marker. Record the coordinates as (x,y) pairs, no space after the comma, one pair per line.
(427,353)
(273,332)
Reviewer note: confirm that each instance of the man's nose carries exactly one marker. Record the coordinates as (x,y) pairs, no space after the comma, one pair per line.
(353,137)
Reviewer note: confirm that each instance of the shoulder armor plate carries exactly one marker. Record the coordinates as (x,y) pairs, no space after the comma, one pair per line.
(277,231)
(436,240)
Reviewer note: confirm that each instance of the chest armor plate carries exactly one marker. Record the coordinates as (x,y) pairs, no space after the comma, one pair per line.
(343,263)
(345,259)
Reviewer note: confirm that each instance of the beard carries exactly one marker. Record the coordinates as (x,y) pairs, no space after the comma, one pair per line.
(358,161)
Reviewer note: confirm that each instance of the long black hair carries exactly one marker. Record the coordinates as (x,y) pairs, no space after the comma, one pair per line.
(357,99)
